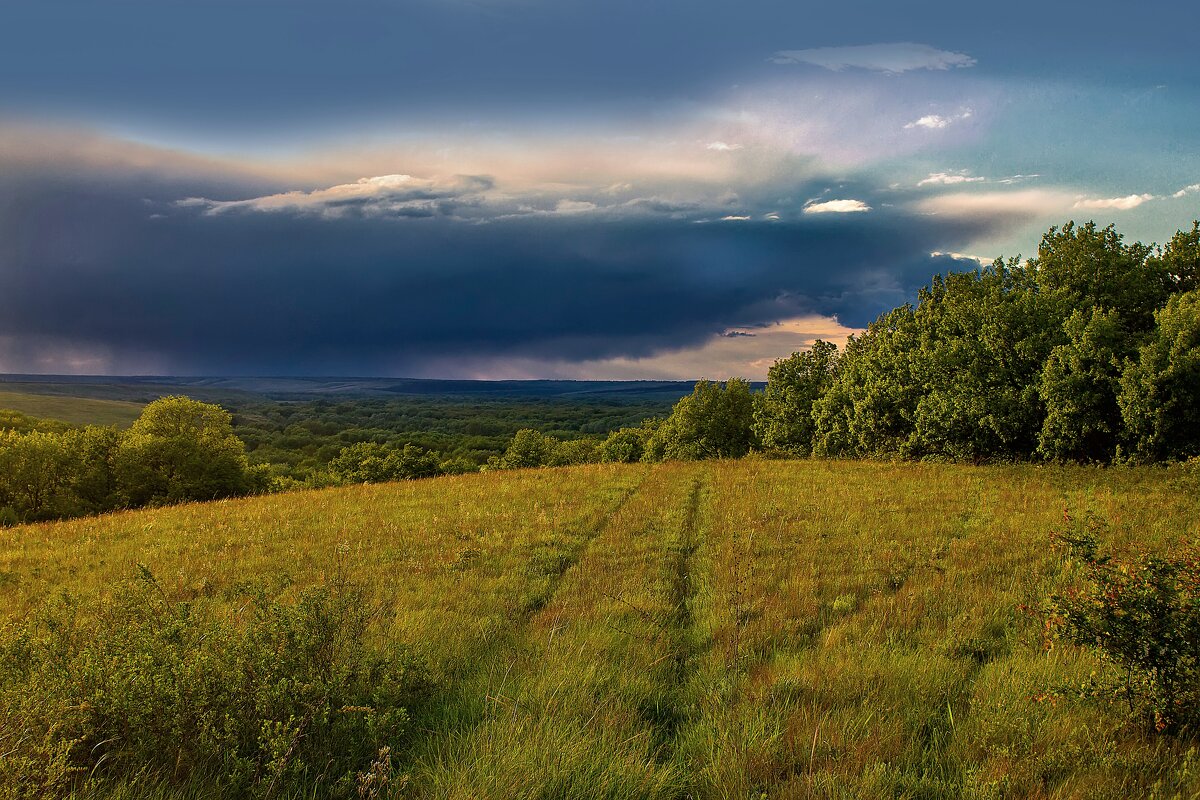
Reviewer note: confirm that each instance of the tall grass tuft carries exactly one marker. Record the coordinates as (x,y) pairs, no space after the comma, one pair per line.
(273,697)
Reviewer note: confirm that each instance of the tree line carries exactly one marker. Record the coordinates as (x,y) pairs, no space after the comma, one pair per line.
(178,449)
(1088,352)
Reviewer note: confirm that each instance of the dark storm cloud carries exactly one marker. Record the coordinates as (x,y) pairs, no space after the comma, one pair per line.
(119,266)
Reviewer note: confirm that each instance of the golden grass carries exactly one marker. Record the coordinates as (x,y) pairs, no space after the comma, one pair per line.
(713,630)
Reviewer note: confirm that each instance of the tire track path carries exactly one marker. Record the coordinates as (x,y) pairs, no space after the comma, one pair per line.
(590,698)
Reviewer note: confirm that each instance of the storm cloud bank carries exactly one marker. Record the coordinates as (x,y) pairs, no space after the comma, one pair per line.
(192,270)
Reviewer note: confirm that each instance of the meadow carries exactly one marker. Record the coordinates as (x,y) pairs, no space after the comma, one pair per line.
(70,409)
(721,629)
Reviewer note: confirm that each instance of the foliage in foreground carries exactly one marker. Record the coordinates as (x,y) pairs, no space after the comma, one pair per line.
(276,697)
(710,629)
(1142,616)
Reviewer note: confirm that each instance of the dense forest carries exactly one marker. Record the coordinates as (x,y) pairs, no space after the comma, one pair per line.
(1088,352)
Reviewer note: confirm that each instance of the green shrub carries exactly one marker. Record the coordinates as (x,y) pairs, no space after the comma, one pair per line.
(146,687)
(1143,617)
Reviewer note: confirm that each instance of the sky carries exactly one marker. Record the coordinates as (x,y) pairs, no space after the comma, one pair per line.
(552,188)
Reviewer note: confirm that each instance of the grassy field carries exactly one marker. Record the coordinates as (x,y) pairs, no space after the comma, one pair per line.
(74,410)
(710,630)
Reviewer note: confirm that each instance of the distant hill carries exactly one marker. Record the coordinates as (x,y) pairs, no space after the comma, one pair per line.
(74,410)
(143,389)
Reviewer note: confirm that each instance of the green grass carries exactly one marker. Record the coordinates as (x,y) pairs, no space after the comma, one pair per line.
(73,410)
(711,630)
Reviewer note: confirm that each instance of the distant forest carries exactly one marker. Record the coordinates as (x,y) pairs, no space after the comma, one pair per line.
(1088,352)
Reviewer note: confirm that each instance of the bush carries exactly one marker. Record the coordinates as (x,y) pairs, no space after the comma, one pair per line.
(148,688)
(626,445)
(1143,617)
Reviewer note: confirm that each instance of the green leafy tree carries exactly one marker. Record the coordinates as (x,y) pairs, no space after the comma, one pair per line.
(371,462)
(627,445)
(783,413)
(23,423)
(714,421)
(1180,260)
(1083,266)
(93,480)
(35,472)
(180,449)
(412,461)
(868,408)
(984,337)
(1160,392)
(528,448)
(362,462)
(573,451)
(1079,387)
(955,377)
(457,466)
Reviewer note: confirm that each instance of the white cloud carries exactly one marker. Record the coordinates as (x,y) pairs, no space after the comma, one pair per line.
(1185,191)
(949,179)
(935,122)
(980,260)
(837,207)
(723,146)
(734,218)
(1024,202)
(401,195)
(931,121)
(1011,179)
(574,207)
(1117,203)
(892,58)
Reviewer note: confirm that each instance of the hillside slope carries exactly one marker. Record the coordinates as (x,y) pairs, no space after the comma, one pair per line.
(73,410)
(717,629)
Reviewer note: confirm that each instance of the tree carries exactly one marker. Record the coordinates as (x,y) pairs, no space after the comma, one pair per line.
(411,462)
(35,469)
(528,448)
(984,337)
(1160,392)
(955,377)
(868,408)
(370,462)
(362,462)
(573,451)
(714,421)
(1079,387)
(783,414)
(1080,267)
(627,445)
(180,449)
(1180,260)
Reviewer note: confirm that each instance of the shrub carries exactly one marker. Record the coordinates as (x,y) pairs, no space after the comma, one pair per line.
(625,446)
(528,448)
(145,687)
(1143,617)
